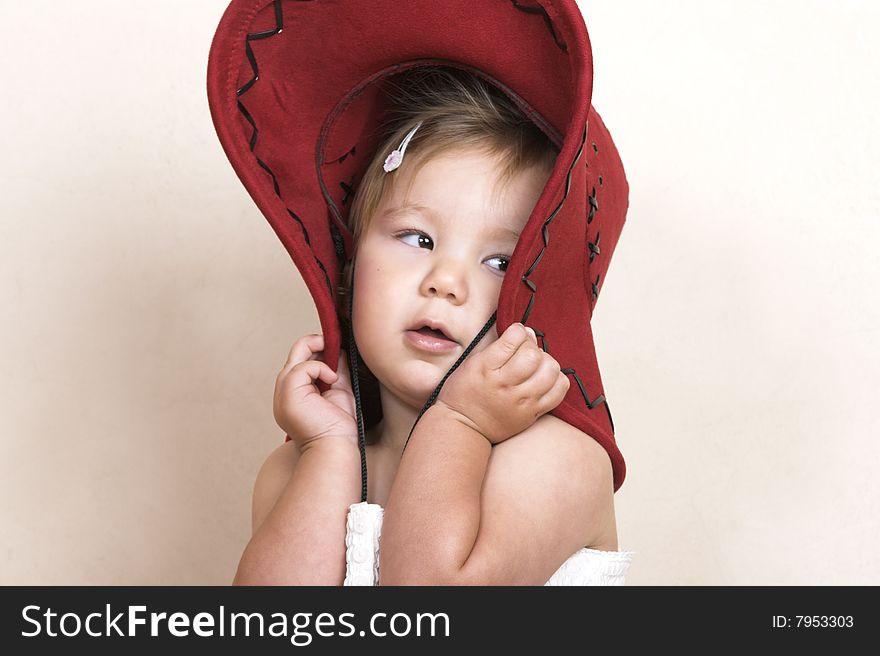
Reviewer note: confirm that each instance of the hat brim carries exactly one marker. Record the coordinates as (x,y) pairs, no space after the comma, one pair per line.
(291,93)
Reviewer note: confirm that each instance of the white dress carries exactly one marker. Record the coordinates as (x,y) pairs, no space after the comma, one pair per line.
(364,527)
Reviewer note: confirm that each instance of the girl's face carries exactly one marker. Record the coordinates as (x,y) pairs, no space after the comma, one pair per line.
(440,254)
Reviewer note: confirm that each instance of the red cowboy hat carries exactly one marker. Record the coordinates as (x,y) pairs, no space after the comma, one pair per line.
(292,88)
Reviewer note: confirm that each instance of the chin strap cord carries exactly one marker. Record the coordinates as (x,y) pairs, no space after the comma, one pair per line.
(356,388)
(433,397)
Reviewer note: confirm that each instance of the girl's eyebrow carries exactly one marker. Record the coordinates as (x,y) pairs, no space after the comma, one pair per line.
(497,232)
(410,207)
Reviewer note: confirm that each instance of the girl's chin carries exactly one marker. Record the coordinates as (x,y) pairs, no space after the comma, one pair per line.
(413,387)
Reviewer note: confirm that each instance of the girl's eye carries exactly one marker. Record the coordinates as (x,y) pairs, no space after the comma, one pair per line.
(504,259)
(422,237)
(423,240)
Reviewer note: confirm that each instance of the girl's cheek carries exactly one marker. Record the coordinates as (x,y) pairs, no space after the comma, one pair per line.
(488,339)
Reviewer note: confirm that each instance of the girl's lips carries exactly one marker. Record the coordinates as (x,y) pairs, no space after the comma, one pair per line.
(430,343)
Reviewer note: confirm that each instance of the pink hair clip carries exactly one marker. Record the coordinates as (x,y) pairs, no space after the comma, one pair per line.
(395,159)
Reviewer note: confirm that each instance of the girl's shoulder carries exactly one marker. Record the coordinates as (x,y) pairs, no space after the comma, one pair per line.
(552,433)
(567,475)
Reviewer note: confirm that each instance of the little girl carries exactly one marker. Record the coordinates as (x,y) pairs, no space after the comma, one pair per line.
(487,488)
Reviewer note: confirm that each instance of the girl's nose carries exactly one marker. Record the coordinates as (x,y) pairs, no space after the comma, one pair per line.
(447,280)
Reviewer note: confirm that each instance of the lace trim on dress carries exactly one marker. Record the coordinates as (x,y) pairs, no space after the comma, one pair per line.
(363,528)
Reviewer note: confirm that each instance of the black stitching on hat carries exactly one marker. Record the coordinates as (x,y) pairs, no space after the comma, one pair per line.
(591,404)
(540,10)
(594,248)
(279,26)
(348,189)
(544,344)
(326,276)
(595,287)
(545,232)
(247,115)
(343,157)
(532,268)
(595,148)
(528,308)
(600,180)
(305,232)
(610,420)
(594,206)
(568,371)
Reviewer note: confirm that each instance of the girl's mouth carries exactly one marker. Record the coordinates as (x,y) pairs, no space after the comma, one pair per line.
(429,340)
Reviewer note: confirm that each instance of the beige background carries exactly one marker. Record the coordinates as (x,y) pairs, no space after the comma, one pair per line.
(146,306)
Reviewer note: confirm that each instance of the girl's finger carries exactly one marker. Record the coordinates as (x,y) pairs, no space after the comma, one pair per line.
(305,348)
(538,379)
(525,364)
(507,345)
(554,397)
(344,380)
(306,373)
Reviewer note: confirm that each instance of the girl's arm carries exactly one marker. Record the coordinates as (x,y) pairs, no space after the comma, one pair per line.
(432,516)
(299,533)
(463,513)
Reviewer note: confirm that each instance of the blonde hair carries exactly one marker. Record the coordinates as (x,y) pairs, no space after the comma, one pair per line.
(458,110)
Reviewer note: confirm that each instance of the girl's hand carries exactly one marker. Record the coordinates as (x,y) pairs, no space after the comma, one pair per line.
(503,389)
(301,410)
